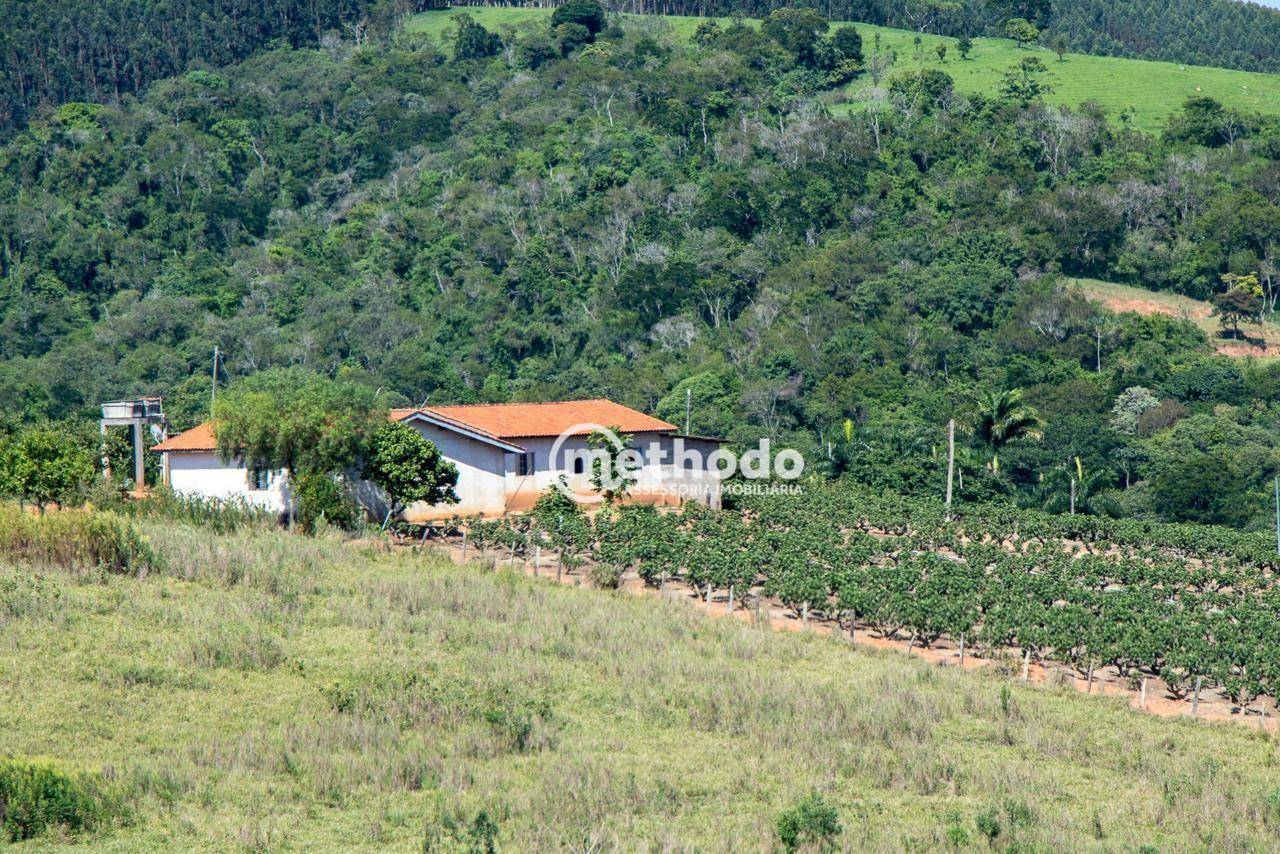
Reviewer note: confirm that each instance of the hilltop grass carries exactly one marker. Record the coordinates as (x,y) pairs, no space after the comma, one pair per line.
(269,692)
(1152,90)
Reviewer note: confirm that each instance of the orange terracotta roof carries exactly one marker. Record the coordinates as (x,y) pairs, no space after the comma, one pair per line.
(499,421)
(199,438)
(524,420)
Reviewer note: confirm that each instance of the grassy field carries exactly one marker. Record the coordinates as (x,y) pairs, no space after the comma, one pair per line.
(1152,90)
(1263,339)
(267,692)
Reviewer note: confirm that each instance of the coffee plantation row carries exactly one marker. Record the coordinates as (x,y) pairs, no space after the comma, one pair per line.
(1186,603)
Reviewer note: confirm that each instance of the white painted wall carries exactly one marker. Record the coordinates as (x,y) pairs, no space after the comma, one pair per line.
(203,474)
(661,480)
(481,485)
(488,480)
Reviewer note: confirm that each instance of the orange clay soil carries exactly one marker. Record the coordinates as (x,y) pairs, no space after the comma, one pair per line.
(1258,341)
(1107,681)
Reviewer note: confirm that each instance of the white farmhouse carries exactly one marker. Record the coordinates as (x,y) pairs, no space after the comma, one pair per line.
(506,455)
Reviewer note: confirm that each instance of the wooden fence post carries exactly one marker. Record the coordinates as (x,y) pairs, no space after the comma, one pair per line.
(1026,664)
(464,546)
(1195,700)
(1142,703)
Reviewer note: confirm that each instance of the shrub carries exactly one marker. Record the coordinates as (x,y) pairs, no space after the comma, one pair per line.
(454,832)
(812,821)
(76,540)
(606,576)
(35,796)
(322,499)
(989,825)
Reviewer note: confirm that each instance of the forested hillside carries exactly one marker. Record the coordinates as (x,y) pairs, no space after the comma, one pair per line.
(604,210)
(52,51)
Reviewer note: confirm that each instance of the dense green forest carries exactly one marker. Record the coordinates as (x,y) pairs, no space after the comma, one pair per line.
(53,51)
(1200,32)
(594,209)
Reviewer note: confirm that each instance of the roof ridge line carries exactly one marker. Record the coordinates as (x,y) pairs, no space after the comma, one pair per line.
(525,403)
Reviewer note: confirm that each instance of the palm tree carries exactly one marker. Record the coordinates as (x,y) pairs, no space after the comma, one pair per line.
(1093,492)
(1001,416)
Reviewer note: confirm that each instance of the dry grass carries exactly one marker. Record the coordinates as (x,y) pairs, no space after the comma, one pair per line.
(270,692)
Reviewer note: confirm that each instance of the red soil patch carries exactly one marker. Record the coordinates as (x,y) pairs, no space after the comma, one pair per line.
(1145,307)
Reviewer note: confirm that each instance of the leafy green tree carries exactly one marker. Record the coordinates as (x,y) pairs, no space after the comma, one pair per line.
(473,41)
(291,419)
(1129,407)
(846,41)
(1021,31)
(1201,488)
(45,465)
(1026,82)
(922,91)
(571,36)
(294,419)
(1059,46)
(964,45)
(408,468)
(797,30)
(1239,302)
(1205,121)
(1093,491)
(566,527)
(586,13)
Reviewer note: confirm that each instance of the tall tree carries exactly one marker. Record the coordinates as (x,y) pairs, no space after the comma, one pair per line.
(1000,417)
(408,468)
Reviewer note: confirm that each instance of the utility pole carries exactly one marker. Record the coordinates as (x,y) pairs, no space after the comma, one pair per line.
(213,395)
(1073,496)
(951,461)
(688,409)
